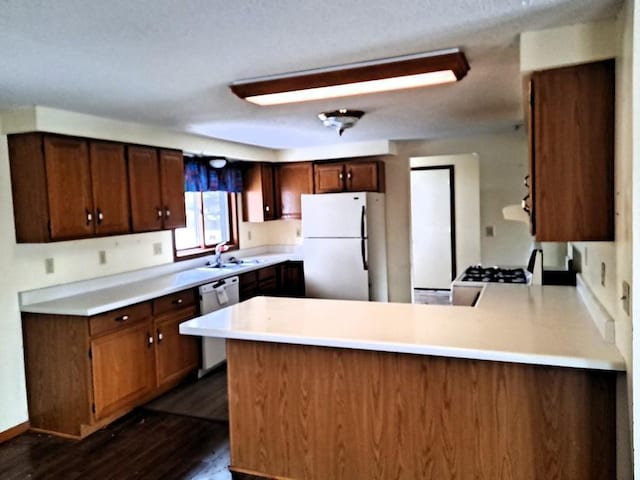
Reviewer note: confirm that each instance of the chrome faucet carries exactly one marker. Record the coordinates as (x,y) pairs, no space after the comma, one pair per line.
(217,254)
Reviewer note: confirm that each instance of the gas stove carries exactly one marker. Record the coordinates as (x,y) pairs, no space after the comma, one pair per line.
(480,274)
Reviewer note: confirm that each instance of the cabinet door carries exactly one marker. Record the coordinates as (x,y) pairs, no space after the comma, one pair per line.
(144,189)
(293,179)
(258,203)
(172,181)
(573,152)
(268,192)
(292,279)
(123,368)
(68,187)
(176,355)
(110,192)
(362,176)
(329,177)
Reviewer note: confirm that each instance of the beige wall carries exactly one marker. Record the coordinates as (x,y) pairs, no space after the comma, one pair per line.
(23,264)
(503,165)
(580,44)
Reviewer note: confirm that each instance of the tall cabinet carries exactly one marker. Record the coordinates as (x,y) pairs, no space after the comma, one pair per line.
(571,179)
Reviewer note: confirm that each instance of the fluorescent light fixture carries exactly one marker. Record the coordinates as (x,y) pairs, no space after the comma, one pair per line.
(396,73)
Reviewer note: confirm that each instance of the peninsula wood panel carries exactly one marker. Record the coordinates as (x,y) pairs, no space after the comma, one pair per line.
(573,152)
(305,412)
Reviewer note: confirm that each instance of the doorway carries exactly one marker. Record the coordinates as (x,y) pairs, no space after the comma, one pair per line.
(433,230)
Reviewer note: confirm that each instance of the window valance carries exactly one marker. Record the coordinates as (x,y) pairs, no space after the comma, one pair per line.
(200,176)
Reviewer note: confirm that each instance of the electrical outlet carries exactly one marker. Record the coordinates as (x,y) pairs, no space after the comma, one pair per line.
(626,298)
(586,256)
(157,248)
(102,257)
(248,234)
(48,265)
(603,273)
(298,234)
(489,231)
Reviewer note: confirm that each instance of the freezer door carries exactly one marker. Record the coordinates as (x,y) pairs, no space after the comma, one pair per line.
(334,215)
(334,268)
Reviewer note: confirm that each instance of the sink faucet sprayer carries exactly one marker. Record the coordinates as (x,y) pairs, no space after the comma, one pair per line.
(217,259)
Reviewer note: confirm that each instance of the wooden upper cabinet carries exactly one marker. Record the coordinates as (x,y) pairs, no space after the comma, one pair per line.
(364,177)
(156,186)
(66,187)
(572,155)
(258,195)
(329,177)
(292,180)
(110,192)
(172,189)
(349,176)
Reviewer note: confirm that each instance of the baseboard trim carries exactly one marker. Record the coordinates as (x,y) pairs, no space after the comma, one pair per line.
(14,432)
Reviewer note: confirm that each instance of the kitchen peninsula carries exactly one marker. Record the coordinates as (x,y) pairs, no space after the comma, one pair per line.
(520,387)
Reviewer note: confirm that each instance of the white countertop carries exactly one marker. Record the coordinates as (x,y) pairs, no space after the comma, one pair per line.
(545,325)
(105,299)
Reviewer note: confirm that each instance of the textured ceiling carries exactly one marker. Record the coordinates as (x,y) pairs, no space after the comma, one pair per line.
(169,62)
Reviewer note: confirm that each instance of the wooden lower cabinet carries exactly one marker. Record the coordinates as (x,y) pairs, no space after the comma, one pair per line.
(176,355)
(282,280)
(84,372)
(122,367)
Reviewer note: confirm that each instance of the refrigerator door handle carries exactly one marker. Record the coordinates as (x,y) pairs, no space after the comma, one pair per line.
(362,218)
(363,250)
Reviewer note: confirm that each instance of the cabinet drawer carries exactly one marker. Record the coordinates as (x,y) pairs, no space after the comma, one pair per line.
(119,318)
(174,301)
(267,274)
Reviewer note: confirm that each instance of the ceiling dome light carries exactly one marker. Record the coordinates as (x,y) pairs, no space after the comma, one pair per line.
(340,119)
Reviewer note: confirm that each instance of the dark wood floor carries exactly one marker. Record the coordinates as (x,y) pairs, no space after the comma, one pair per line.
(142,445)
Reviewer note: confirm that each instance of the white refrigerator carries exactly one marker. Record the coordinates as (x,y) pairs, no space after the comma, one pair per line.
(345,251)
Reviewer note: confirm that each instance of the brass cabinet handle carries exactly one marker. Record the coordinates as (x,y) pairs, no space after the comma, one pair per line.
(340,176)
(89,216)
(123,318)
(159,212)
(167,212)
(349,175)
(149,340)
(266,208)
(160,336)
(100,216)
(177,301)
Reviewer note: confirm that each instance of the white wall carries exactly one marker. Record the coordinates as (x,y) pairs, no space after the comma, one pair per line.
(503,160)
(23,264)
(467,203)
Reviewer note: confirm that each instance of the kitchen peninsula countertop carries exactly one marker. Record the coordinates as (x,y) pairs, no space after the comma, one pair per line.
(128,293)
(543,325)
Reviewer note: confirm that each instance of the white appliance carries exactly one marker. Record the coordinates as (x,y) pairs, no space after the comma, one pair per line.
(344,246)
(214,296)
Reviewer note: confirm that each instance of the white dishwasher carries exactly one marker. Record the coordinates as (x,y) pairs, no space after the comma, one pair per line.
(214,296)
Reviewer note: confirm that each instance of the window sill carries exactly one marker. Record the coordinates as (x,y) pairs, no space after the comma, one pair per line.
(197,252)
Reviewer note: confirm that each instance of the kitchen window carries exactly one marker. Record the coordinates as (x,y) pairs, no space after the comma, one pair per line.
(211,219)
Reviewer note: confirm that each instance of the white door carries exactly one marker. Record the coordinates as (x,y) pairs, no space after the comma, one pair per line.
(333,268)
(333,215)
(431,228)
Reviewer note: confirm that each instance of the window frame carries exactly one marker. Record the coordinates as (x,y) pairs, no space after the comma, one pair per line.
(203,250)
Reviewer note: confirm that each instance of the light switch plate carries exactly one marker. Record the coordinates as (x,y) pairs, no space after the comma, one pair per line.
(157,248)
(626,298)
(489,231)
(102,257)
